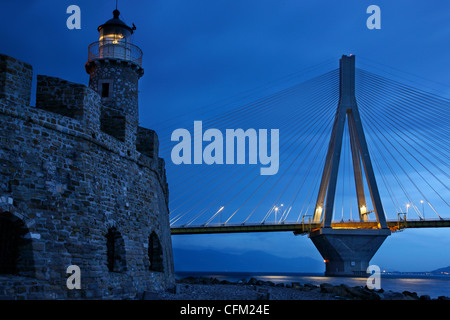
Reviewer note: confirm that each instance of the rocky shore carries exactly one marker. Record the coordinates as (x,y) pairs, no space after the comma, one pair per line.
(198,288)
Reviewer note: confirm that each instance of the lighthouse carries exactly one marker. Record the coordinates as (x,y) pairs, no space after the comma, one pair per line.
(115,66)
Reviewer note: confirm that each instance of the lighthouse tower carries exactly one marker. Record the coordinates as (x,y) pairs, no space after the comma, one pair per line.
(114,66)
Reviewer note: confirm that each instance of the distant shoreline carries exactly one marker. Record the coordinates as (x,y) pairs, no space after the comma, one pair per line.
(317,274)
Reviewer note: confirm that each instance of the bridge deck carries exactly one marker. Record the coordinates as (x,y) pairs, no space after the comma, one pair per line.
(304,228)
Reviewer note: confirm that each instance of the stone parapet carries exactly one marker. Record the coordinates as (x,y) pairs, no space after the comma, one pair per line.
(15,80)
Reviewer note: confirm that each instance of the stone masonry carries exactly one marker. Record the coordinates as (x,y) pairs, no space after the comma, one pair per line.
(71,190)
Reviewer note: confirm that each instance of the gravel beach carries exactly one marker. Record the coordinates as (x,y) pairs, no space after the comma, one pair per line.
(197,288)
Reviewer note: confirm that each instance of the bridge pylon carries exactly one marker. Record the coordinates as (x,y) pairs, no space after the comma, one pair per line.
(347,252)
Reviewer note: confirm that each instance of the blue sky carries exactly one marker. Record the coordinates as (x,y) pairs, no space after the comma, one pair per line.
(199,52)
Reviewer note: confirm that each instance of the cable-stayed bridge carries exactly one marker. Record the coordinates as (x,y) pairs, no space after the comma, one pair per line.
(361,156)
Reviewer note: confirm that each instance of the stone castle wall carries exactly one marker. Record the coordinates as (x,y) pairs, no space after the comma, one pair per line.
(66,183)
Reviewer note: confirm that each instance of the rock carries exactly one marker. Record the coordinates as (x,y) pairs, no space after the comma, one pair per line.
(190,280)
(373,295)
(296,285)
(354,292)
(380,295)
(310,286)
(390,295)
(410,295)
(341,291)
(326,288)
(362,293)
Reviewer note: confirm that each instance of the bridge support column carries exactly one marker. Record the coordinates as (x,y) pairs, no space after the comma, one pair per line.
(347,252)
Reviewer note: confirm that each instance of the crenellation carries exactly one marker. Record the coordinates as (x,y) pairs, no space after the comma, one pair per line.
(147,142)
(69,99)
(118,125)
(15,80)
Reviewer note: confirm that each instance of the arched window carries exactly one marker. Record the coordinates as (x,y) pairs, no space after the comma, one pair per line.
(115,251)
(16,255)
(155,253)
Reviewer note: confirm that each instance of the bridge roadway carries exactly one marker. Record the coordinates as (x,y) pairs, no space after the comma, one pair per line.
(305,227)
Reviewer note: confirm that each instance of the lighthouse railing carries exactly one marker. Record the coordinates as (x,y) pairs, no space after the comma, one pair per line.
(116,50)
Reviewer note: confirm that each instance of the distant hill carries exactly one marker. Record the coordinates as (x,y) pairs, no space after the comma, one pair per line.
(251,261)
(442,270)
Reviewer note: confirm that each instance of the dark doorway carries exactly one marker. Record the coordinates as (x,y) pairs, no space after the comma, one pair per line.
(155,253)
(9,246)
(115,247)
(16,255)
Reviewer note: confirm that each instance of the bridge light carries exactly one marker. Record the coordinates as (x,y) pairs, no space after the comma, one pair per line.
(363,209)
(423,209)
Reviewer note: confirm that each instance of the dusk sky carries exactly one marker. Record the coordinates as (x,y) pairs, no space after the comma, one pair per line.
(200,52)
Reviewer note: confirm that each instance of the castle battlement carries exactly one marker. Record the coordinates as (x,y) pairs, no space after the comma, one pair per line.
(81,183)
(76,110)
(15,80)
(69,99)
